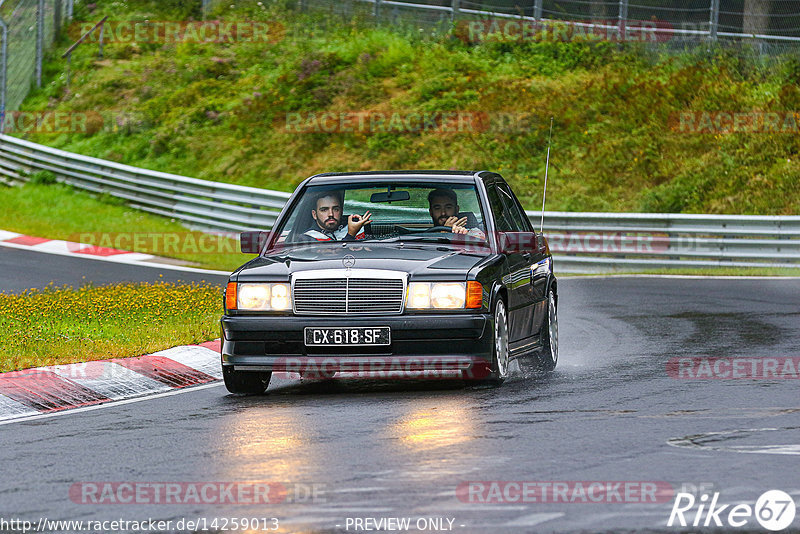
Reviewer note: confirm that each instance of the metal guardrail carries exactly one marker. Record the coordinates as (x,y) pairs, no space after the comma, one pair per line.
(773,22)
(592,242)
(199,203)
(581,242)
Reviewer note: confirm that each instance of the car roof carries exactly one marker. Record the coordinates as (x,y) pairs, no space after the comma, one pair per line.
(383,176)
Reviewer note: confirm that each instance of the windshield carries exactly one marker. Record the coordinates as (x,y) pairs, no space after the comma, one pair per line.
(435,212)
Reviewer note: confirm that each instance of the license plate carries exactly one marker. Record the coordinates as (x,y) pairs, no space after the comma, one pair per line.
(362,335)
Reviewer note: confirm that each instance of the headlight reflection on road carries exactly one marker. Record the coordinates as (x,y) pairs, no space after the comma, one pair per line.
(444,423)
(273,445)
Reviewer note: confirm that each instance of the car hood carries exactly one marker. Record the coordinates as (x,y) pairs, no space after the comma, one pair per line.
(419,260)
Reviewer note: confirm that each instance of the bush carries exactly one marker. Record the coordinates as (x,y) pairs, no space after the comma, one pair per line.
(42,178)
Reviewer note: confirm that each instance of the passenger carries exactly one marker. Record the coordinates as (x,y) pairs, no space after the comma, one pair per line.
(444,211)
(328,225)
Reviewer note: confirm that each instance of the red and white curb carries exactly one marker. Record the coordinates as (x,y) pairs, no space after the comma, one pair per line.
(87,251)
(55,246)
(45,390)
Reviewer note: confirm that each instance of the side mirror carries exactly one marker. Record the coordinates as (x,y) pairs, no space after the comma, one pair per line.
(518,241)
(253,241)
(541,241)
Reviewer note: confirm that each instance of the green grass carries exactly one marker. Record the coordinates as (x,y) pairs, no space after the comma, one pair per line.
(215,111)
(64,325)
(59,212)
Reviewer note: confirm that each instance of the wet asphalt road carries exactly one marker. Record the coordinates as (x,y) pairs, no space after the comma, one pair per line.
(25,269)
(383,449)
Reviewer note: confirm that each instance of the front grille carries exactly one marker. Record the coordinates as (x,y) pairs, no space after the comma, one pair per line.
(348,295)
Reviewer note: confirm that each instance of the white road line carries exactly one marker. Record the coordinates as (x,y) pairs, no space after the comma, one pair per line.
(685,276)
(467,507)
(345,509)
(357,490)
(119,259)
(112,404)
(533,519)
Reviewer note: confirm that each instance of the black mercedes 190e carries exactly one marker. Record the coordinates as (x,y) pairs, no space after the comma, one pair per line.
(403,273)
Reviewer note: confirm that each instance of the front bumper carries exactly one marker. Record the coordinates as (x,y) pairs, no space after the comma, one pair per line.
(418,342)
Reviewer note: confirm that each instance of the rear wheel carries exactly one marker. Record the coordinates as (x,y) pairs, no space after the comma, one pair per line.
(246,382)
(549,335)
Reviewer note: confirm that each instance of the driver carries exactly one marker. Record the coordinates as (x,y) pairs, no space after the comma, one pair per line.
(328,226)
(444,211)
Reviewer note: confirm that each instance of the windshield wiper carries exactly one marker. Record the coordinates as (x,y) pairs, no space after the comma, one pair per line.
(423,238)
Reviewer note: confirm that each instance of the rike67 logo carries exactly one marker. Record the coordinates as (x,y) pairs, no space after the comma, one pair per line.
(774,510)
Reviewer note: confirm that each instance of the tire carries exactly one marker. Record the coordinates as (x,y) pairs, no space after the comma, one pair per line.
(499,368)
(548,357)
(246,382)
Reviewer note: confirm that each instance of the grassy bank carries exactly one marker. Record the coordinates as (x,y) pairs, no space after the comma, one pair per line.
(218,111)
(65,325)
(59,212)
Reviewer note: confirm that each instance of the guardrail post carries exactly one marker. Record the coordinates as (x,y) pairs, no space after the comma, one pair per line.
(622,19)
(39,41)
(3,72)
(56,19)
(377,12)
(713,21)
(102,29)
(456,7)
(537,10)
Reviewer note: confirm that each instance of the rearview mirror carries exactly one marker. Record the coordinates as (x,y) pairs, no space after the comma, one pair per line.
(389,196)
(253,241)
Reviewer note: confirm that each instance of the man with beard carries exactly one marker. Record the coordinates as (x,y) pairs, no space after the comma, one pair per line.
(328,225)
(444,210)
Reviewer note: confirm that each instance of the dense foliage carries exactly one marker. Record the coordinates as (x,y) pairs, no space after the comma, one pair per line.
(218,110)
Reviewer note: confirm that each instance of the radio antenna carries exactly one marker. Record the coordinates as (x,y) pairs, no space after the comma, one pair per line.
(546,166)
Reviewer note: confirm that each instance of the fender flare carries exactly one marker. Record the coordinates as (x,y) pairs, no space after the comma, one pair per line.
(495,294)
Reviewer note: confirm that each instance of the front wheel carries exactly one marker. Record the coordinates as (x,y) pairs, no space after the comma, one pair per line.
(549,335)
(246,382)
(499,368)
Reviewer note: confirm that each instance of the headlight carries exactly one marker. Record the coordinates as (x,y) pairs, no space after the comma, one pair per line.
(419,295)
(448,295)
(442,295)
(263,297)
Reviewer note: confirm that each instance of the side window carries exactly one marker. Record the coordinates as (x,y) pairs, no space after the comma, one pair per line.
(502,221)
(516,213)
